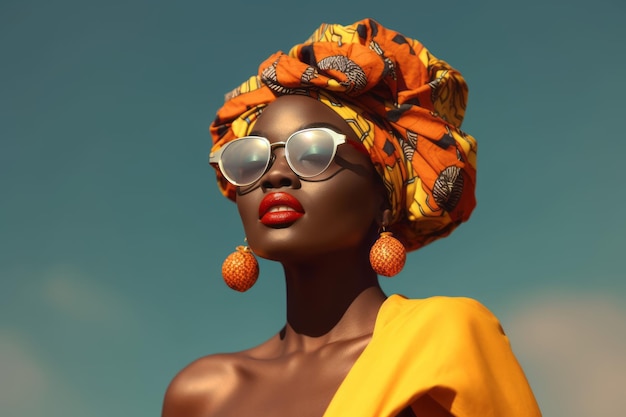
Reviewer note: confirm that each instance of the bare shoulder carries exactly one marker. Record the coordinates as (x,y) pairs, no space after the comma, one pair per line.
(200,387)
(207,385)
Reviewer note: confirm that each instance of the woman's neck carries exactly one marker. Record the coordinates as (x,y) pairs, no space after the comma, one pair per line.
(330,300)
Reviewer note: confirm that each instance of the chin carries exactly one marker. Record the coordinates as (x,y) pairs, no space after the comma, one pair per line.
(279,251)
(308,250)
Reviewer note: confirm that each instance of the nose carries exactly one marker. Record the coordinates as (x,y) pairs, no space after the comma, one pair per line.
(279,174)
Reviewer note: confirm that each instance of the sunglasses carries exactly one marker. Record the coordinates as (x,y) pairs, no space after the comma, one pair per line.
(309,152)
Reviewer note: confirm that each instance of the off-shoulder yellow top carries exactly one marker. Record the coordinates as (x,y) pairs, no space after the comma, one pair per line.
(451,349)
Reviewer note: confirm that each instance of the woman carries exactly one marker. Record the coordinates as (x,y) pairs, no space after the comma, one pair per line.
(353,134)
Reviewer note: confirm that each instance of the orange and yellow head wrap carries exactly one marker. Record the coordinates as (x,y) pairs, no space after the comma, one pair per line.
(405,105)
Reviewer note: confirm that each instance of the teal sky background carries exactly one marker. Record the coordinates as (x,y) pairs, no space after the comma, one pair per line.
(112,230)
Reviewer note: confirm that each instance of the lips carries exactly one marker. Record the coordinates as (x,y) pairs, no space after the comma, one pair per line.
(279,209)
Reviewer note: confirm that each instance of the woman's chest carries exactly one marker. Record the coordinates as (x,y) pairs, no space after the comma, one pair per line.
(293,385)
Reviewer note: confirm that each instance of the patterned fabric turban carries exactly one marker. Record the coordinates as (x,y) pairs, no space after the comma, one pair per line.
(405,105)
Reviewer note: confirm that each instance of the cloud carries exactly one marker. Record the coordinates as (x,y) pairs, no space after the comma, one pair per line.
(23,380)
(28,387)
(573,350)
(68,290)
(54,322)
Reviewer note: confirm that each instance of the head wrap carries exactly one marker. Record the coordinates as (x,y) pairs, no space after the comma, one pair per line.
(405,105)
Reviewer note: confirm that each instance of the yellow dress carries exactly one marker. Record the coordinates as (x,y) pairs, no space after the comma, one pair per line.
(450,348)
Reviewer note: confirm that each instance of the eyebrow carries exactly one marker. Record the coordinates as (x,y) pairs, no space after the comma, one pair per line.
(356,144)
(302,127)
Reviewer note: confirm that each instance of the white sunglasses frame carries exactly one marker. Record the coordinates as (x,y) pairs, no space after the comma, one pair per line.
(215,158)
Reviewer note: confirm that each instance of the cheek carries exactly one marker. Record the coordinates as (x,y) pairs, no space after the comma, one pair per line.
(248,212)
(349,210)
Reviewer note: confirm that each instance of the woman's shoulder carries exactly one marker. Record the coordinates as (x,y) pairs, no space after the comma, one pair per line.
(199,387)
(439,315)
(207,383)
(439,306)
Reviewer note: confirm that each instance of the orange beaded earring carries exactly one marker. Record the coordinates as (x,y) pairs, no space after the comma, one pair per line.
(240,269)
(387,255)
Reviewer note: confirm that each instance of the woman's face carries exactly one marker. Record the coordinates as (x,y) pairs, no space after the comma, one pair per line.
(288,218)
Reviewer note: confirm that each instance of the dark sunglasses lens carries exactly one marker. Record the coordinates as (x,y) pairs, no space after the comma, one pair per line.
(310,152)
(245,160)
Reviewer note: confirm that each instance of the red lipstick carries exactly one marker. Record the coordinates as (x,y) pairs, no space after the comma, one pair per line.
(279,209)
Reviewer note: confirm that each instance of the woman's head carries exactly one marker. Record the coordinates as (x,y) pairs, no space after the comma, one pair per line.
(403,104)
(287,215)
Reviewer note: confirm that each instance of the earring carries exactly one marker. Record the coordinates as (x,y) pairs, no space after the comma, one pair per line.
(240,269)
(387,255)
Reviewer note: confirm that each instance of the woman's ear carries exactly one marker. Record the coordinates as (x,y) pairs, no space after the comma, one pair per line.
(385,218)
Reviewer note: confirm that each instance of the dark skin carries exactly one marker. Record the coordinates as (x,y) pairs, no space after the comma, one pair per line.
(333,295)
